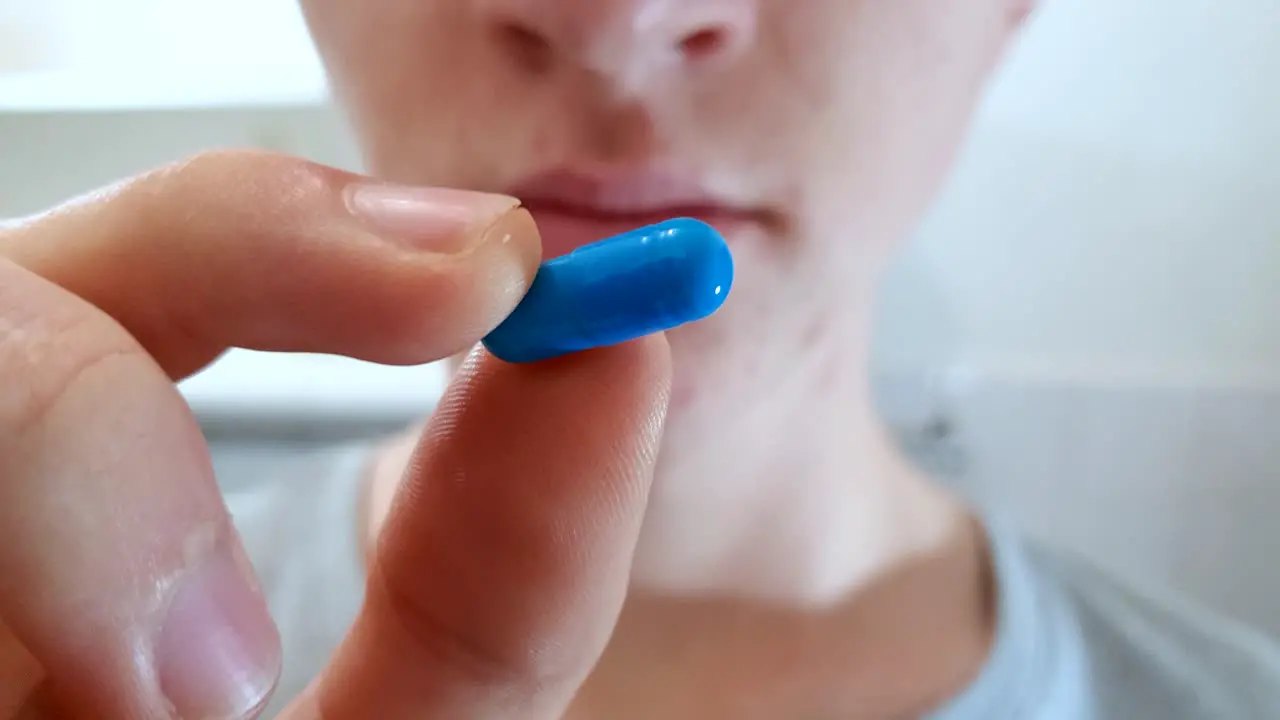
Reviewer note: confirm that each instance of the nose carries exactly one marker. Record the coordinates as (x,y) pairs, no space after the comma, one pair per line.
(615,36)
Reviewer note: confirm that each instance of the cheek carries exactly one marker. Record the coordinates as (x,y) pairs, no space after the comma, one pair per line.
(396,68)
(422,120)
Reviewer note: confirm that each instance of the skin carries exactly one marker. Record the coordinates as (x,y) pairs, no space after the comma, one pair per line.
(864,103)
(556,542)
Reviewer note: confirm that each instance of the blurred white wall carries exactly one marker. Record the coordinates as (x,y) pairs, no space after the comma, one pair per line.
(84,34)
(1115,216)
(1098,290)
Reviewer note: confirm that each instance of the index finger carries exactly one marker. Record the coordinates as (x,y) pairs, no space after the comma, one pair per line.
(249,249)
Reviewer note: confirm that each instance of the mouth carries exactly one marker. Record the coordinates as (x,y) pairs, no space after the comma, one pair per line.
(573,209)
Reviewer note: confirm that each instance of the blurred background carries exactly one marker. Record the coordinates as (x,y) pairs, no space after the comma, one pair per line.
(1085,332)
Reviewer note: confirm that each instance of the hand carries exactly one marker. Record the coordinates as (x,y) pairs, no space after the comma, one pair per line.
(124,591)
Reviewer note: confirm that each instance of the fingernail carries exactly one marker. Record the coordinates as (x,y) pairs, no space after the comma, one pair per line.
(218,653)
(441,220)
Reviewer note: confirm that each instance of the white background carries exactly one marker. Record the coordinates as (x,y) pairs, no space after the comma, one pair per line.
(1117,212)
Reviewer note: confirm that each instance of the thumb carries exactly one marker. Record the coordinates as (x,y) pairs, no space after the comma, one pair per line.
(506,556)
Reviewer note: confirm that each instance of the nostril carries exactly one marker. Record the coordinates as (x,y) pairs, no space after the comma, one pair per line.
(704,43)
(525,46)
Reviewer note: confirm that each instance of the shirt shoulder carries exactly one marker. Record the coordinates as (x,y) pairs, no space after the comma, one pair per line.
(1154,654)
(1075,643)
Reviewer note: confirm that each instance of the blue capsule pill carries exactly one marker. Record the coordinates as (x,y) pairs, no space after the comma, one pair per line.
(618,289)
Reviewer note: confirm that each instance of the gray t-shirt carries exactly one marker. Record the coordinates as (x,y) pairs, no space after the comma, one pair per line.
(1072,643)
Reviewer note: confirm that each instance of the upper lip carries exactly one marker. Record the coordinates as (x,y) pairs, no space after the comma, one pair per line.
(630,192)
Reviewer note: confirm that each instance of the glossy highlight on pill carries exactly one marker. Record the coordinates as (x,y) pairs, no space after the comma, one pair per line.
(621,288)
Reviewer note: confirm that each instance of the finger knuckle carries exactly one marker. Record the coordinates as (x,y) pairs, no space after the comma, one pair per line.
(217,165)
(466,653)
(44,355)
(245,190)
(259,173)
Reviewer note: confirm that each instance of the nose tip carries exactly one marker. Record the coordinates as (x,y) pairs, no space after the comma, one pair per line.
(536,33)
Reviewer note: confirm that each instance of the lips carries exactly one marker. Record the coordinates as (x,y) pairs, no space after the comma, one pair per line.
(573,209)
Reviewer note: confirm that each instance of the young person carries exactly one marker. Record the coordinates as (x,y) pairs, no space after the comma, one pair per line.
(713,524)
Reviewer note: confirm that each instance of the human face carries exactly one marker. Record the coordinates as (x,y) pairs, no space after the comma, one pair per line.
(811,132)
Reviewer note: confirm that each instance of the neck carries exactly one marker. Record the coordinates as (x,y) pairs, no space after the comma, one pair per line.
(788,522)
(777,480)
(813,576)
(901,646)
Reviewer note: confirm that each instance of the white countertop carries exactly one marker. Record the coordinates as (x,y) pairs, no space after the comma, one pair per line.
(312,387)
(142,55)
(177,87)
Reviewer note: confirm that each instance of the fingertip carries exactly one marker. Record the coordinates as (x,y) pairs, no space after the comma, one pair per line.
(623,389)
(506,255)
(515,231)
(646,357)
(649,357)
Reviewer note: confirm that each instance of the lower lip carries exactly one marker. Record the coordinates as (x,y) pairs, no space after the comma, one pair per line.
(564,231)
